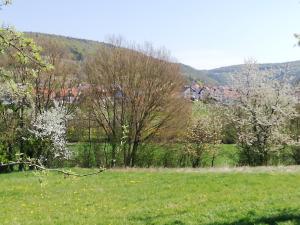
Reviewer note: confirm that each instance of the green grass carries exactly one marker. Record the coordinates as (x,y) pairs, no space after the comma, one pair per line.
(151,197)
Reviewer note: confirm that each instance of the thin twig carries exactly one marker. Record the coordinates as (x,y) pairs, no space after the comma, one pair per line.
(67,173)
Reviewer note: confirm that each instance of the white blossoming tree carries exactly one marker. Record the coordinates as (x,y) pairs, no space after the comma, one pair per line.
(204,134)
(50,128)
(261,110)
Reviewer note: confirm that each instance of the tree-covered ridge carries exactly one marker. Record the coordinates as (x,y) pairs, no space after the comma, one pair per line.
(81,48)
(222,75)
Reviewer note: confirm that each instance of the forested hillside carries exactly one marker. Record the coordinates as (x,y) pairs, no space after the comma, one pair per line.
(81,48)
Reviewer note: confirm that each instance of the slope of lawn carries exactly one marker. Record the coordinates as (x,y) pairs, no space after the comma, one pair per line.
(152,197)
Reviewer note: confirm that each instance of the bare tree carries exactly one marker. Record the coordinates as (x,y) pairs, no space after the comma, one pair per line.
(136,87)
(61,81)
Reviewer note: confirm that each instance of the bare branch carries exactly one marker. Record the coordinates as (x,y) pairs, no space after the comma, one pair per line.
(38,166)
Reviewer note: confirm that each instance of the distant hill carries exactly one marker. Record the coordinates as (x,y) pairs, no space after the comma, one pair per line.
(222,75)
(81,48)
(194,74)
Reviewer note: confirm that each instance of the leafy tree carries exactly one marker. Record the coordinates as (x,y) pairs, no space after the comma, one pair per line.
(21,61)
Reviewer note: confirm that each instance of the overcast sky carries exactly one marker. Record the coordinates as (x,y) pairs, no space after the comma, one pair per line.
(201,33)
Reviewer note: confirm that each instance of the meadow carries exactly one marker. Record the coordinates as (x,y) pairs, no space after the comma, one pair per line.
(153,196)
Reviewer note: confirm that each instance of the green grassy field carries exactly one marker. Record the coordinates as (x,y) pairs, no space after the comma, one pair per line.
(152,197)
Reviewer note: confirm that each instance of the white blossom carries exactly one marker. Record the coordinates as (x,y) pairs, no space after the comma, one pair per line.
(262,109)
(51,124)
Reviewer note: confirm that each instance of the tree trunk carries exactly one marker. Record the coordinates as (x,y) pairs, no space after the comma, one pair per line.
(134,153)
(196,162)
(21,166)
(10,157)
(113,155)
(128,154)
(213,160)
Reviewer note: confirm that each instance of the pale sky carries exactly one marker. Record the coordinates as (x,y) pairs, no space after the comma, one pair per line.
(201,33)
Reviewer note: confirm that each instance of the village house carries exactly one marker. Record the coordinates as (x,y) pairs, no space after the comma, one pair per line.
(195,92)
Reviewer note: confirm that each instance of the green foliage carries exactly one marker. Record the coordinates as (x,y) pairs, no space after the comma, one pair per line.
(227,156)
(165,197)
(150,155)
(295,154)
(89,154)
(20,65)
(86,156)
(3,153)
(229,134)
(155,155)
(21,48)
(170,155)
